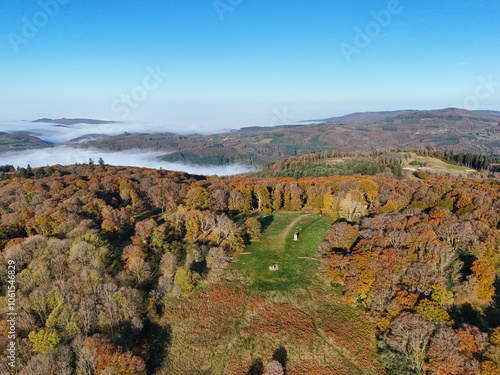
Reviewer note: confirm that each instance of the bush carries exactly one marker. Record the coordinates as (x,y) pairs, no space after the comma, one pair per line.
(183,279)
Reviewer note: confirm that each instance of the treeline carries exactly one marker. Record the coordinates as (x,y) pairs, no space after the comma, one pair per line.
(349,168)
(192,158)
(23,172)
(310,165)
(7,168)
(479,162)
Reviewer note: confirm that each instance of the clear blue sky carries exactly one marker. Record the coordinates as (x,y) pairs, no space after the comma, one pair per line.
(265,62)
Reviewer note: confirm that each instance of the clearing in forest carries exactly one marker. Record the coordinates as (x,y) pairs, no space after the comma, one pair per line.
(276,246)
(229,328)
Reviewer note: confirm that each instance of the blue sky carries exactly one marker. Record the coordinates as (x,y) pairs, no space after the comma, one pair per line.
(252,62)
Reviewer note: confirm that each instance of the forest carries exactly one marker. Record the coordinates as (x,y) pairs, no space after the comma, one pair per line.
(192,158)
(106,257)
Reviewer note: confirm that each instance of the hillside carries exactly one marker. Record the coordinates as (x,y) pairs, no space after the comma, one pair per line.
(137,271)
(363,117)
(20,141)
(408,164)
(454,129)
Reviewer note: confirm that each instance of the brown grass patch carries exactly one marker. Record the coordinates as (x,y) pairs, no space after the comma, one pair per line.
(313,368)
(278,318)
(347,328)
(201,326)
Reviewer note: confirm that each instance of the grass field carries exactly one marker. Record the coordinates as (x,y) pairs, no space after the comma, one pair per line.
(437,165)
(248,313)
(277,246)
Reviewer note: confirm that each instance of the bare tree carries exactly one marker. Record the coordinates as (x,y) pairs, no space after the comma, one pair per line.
(444,353)
(236,200)
(168,264)
(220,198)
(206,222)
(352,209)
(274,368)
(457,233)
(109,310)
(87,314)
(42,364)
(165,284)
(222,227)
(409,335)
(216,257)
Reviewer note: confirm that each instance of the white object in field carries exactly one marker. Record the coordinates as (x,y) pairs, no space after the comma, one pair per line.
(274,267)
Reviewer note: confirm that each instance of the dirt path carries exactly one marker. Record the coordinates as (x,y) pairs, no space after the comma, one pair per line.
(290,226)
(234,332)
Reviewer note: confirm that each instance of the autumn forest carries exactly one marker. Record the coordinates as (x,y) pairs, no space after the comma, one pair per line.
(122,270)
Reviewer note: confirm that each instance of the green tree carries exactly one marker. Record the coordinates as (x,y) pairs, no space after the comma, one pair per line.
(45,341)
(183,278)
(254,227)
(433,312)
(198,198)
(441,295)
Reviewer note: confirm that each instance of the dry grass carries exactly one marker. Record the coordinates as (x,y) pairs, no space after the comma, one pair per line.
(263,318)
(348,329)
(221,331)
(201,327)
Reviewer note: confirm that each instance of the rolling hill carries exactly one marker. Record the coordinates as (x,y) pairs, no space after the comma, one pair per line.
(455,129)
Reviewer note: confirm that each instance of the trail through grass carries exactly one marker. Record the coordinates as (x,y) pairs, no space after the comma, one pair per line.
(291,290)
(276,246)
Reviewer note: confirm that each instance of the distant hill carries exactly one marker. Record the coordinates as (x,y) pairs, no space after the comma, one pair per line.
(362,117)
(490,113)
(367,117)
(20,141)
(451,128)
(74,121)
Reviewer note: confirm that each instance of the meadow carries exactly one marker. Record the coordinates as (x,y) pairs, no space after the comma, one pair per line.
(248,315)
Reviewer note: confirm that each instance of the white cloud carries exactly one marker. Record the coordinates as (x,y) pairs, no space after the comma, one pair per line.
(134,158)
(60,134)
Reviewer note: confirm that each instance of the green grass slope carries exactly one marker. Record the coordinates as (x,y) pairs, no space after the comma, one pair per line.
(277,246)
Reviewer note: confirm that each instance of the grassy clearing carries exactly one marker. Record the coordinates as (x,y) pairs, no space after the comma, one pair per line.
(275,247)
(433,164)
(248,312)
(436,165)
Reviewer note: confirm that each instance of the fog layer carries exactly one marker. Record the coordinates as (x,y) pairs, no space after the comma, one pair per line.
(135,158)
